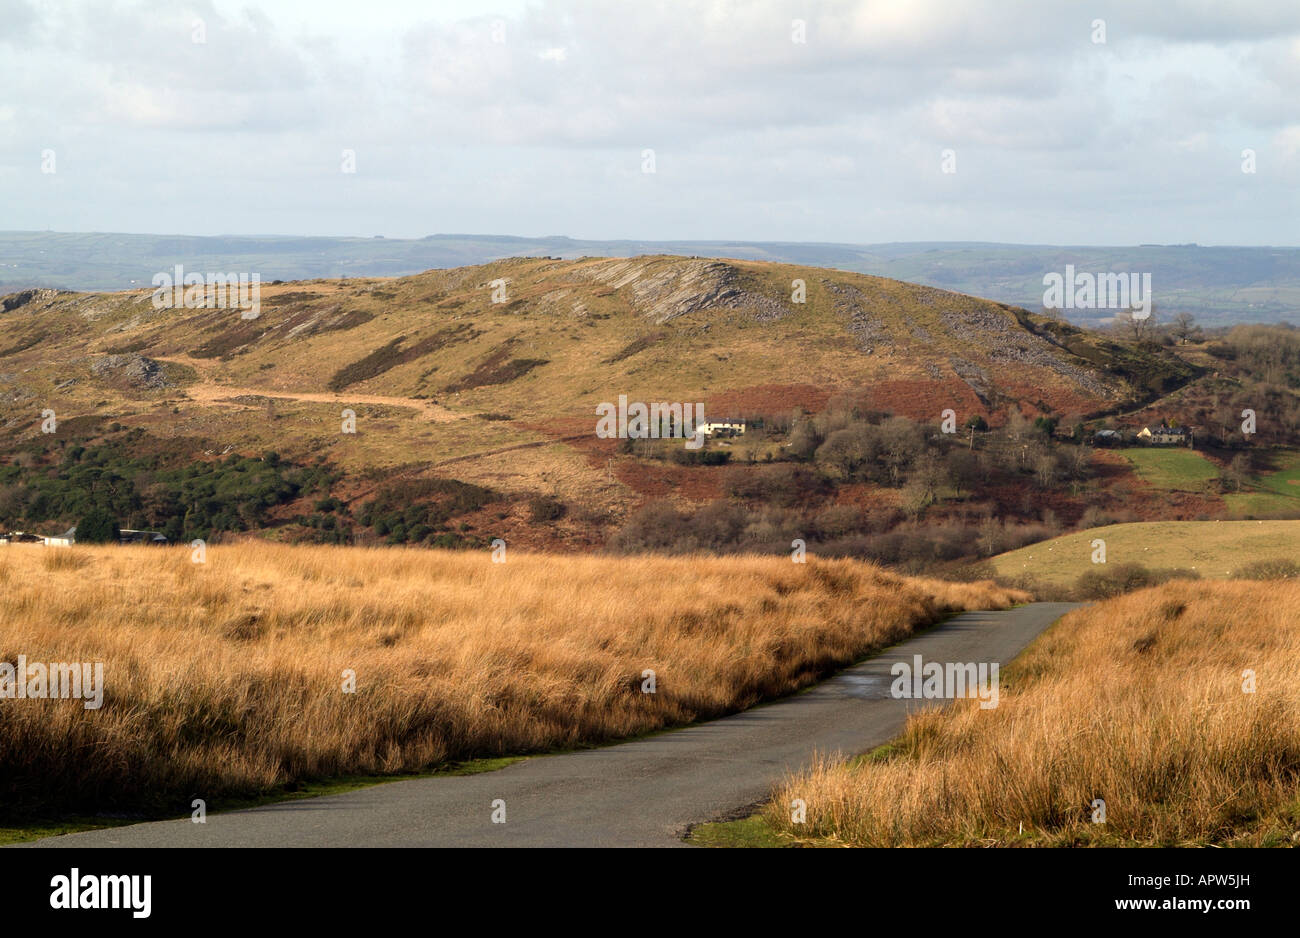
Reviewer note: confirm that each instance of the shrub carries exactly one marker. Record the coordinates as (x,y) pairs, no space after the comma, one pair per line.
(1125,578)
(98,527)
(1276,569)
(779,484)
(545,508)
(699,457)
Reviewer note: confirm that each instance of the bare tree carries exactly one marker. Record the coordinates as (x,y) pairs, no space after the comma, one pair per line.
(962,469)
(1075,460)
(1045,467)
(1138,327)
(1184,328)
(1237,472)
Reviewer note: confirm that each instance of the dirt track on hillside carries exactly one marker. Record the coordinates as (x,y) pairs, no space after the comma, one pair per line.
(207,391)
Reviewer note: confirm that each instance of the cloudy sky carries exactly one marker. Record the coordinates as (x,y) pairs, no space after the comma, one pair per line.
(534,118)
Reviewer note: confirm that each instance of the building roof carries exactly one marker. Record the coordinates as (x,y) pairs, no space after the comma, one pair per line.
(133,534)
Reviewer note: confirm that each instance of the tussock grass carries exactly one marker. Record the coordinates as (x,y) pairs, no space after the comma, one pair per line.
(1137,701)
(225,679)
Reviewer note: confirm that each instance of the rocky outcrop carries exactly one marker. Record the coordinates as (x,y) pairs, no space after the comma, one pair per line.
(868,331)
(665,291)
(17,300)
(132,370)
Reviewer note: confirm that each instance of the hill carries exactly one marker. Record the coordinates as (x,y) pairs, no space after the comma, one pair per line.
(446,383)
(1219,285)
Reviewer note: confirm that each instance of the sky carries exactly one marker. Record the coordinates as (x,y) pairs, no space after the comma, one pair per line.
(1042,121)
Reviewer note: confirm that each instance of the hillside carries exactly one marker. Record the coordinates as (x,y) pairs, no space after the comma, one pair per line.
(670,328)
(447,384)
(1219,285)
(1209,549)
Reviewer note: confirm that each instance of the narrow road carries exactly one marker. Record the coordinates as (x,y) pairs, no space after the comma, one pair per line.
(644,793)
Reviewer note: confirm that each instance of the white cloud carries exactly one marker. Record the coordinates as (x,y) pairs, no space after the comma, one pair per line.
(756,136)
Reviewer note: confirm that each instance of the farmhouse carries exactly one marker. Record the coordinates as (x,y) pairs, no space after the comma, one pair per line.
(69,537)
(66,539)
(726,426)
(20,537)
(1163,436)
(130,536)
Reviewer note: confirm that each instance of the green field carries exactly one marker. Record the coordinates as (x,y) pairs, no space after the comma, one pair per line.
(1271,492)
(1177,469)
(1214,549)
(1173,469)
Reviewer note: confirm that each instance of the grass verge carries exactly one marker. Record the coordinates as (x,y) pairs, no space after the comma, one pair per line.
(18,830)
(1177,706)
(270,665)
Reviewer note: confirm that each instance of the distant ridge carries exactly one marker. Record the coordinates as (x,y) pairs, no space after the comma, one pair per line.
(1219,285)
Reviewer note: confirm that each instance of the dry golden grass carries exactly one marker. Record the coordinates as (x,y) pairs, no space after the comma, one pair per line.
(1137,701)
(226,678)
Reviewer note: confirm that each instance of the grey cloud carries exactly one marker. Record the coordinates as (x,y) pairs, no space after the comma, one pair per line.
(755,135)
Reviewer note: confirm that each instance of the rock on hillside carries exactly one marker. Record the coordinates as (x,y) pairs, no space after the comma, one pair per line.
(132,370)
(663,292)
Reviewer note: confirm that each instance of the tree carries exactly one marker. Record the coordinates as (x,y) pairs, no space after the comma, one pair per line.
(901,443)
(916,497)
(804,439)
(1225,418)
(990,535)
(1291,416)
(962,469)
(930,479)
(1045,467)
(848,450)
(1017,426)
(1237,472)
(1184,328)
(98,527)
(1139,328)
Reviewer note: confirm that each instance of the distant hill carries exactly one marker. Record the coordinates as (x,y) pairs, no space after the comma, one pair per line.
(438,371)
(420,410)
(1219,285)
